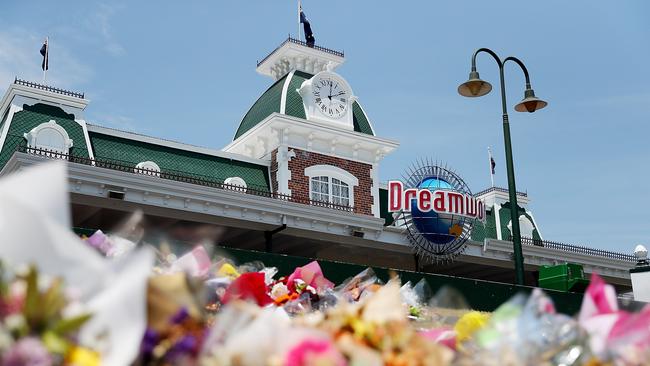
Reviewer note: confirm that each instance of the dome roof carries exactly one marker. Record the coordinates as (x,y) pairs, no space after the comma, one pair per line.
(270,102)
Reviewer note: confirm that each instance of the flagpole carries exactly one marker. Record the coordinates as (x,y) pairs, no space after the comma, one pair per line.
(299,9)
(490,166)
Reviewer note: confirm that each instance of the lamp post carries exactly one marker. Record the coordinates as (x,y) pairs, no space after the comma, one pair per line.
(475,87)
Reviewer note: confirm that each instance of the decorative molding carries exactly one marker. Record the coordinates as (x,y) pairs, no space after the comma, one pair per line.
(283,175)
(313,136)
(13,109)
(54,131)
(285,88)
(374,190)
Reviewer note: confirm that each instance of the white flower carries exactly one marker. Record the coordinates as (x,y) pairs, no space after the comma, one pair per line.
(278,290)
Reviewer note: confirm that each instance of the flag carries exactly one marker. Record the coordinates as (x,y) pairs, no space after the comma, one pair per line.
(492,164)
(45,49)
(309,35)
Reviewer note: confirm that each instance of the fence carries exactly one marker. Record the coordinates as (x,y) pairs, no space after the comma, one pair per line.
(179,176)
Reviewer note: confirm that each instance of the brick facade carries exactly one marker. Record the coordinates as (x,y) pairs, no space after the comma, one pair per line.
(299,183)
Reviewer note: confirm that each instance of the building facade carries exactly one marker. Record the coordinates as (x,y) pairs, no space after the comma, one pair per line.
(301,176)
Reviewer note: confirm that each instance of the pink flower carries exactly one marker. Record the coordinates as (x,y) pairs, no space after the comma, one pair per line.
(312,275)
(310,352)
(27,352)
(443,335)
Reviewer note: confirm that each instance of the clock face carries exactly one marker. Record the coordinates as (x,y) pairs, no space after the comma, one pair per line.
(330,96)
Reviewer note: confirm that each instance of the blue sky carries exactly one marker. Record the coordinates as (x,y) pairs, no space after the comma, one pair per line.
(186,71)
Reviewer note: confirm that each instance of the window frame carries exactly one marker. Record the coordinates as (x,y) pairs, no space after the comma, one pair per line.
(32,137)
(332,173)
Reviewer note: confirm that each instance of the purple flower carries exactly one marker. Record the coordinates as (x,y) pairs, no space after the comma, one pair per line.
(149,341)
(28,351)
(180,316)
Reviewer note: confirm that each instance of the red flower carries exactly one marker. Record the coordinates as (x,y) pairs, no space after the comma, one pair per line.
(249,287)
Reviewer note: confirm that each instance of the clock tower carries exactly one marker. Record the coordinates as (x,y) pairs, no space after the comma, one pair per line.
(311,128)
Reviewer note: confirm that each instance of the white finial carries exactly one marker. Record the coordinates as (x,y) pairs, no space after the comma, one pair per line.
(641,252)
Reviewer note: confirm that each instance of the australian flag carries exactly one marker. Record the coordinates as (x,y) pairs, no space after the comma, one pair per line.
(44,52)
(309,35)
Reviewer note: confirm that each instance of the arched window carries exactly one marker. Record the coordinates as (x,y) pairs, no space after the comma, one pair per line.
(526,227)
(331,184)
(148,168)
(236,183)
(49,136)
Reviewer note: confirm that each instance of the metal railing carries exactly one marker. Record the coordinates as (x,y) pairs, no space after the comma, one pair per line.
(302,43)
(185,177)
(578,249)
(48,88)
(499,189)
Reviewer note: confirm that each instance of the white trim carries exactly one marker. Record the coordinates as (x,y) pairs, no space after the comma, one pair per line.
(539,232)
(33,135)
(149,166)
(298,133)
(374,190)
(497,220)
(42,96)
(332,171)
(84,127)
(283,174)
(236,181)
(174,144)
(5,127)
(285,88)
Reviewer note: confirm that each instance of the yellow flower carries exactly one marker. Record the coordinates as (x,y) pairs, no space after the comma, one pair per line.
(468,324)
(227,270)
(79,356)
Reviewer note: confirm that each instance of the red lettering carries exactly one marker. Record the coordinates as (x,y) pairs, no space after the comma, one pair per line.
(455,202)
(470,204)
(439,201)
(424,200)
(395,195)
(409,194)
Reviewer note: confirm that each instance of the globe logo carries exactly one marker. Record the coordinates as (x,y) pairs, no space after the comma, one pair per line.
(436,209)
(436,227)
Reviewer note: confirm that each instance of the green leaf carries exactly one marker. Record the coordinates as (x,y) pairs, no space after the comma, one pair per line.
(68,325)
(53,300)
(31,297)
(55,343)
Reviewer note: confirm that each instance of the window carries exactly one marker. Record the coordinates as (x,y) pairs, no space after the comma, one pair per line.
(236,184)
(148,168)
(340,193)
(331,184)
(49,136)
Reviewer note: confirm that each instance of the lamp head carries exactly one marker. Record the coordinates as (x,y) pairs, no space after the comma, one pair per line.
(530,103)
(474,87)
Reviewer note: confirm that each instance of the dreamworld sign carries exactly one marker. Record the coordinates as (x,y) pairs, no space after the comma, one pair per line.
(441,201)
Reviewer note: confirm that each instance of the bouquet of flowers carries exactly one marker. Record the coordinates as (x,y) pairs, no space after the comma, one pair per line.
(39,322)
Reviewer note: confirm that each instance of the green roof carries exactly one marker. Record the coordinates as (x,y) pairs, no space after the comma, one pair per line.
(32,116)
(177,161)
(270,102)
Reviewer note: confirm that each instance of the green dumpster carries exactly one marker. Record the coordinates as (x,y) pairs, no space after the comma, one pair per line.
(568,277)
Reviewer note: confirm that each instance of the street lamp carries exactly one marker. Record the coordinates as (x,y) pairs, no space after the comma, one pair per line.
(475,87)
